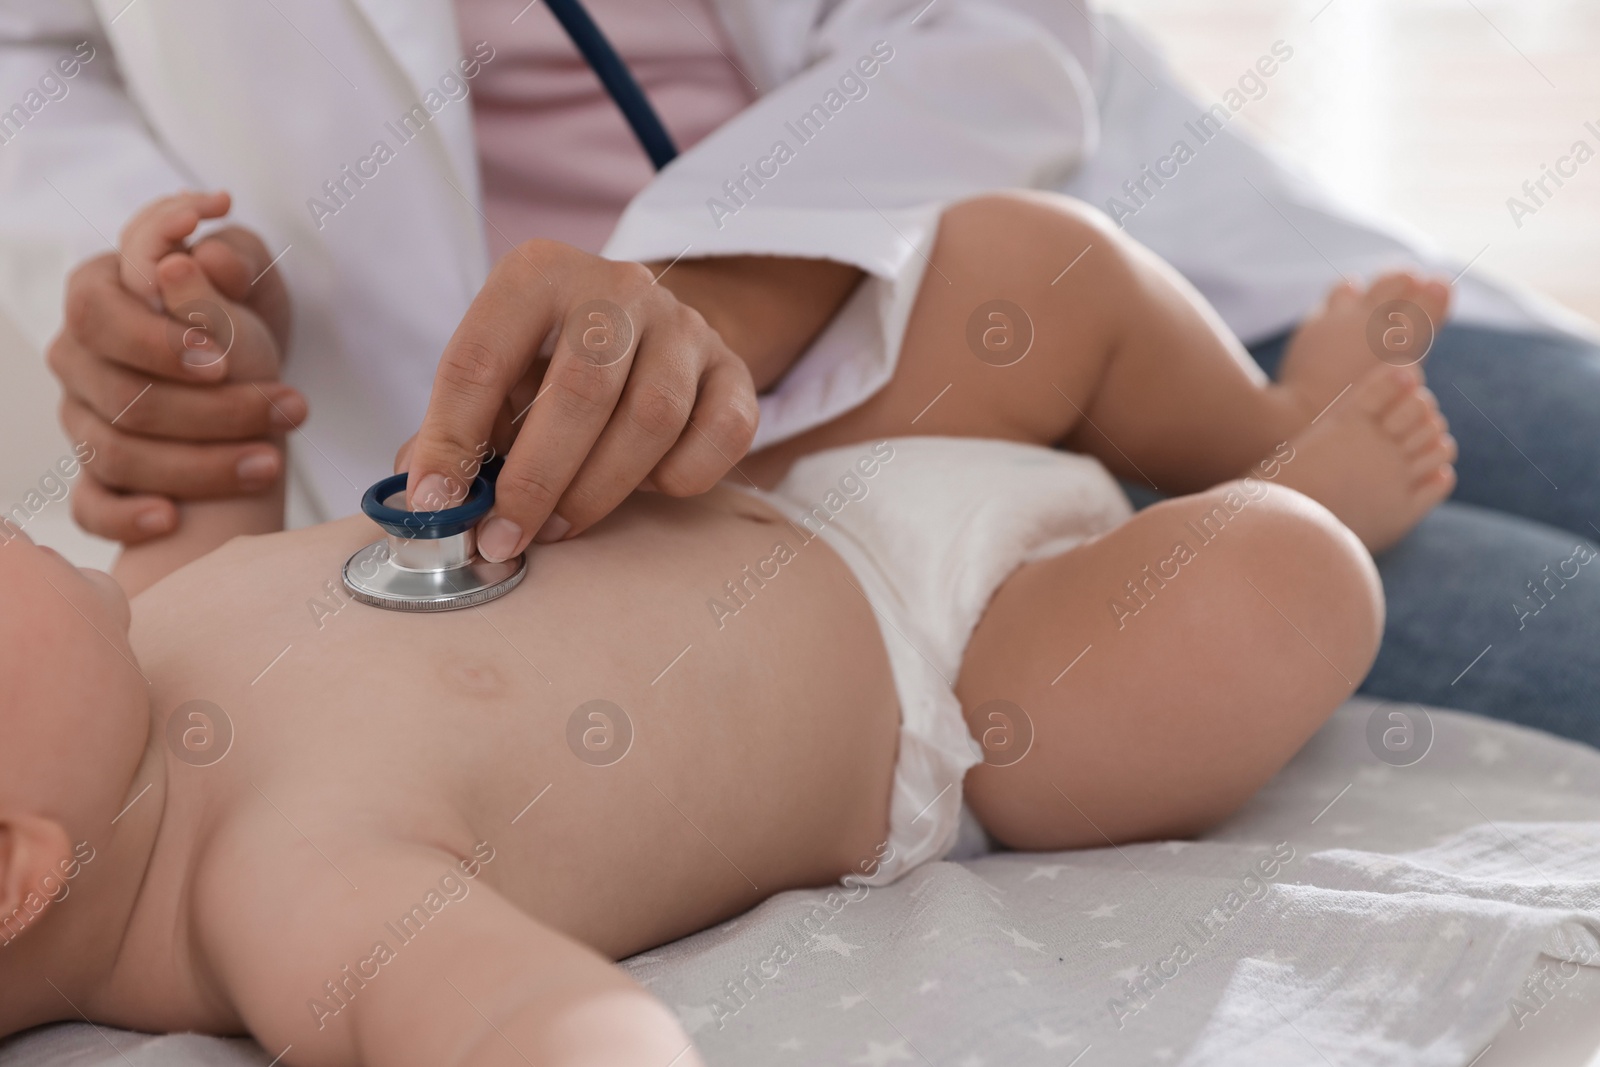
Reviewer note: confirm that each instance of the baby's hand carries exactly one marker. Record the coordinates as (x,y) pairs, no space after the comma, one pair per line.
(215,337)
(168,361)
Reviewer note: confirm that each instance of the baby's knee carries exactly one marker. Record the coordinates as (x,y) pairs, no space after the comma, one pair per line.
(1027,210)
(1030,224)
(1305,563)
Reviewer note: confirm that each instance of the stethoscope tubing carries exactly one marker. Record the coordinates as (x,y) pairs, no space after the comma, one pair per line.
(617,79)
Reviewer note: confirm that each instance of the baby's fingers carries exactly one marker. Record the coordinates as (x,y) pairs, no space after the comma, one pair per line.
(243,270)
(158,228)
(213,331)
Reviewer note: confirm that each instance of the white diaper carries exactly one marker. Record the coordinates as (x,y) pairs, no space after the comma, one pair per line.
(931,526)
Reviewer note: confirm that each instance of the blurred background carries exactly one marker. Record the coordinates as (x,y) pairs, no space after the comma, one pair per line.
(1433,112)
(1429,111)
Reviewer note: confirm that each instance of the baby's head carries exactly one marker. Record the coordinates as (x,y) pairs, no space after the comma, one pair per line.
(74,722)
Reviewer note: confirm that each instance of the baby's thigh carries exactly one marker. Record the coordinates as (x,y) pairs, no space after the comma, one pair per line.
(994,347)
(1168,669)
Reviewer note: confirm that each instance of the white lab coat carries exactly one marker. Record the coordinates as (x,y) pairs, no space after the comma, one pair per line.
(272,100)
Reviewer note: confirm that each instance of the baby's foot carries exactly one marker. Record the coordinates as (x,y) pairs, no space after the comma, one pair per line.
(1379,458)
(1356,330)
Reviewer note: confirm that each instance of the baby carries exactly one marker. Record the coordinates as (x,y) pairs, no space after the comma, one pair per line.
(243,803)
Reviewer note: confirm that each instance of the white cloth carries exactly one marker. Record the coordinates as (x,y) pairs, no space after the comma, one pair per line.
(930,527)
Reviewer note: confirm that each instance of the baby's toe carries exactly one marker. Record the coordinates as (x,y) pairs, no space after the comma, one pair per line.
(1381,388)
(1430,294)
(1435,298)
(1439,454)
(1343,295)
(1435,486)
(1405,414)
(1422,436)
(1396,285)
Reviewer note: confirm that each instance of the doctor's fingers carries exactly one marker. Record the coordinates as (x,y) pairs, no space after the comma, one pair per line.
(558,436)
(116,326)
(126,517)
(139,404)
(158,228)
(649,419)
(496,348)
(720,430)
(505,432)
(181,470)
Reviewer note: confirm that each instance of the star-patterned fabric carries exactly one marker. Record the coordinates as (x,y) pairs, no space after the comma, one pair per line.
(1405,907)
(1355,912)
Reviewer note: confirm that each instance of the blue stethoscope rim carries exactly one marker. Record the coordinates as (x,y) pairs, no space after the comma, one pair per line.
(427,525)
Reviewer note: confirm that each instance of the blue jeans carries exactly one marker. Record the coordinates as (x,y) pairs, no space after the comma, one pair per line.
(1494,603)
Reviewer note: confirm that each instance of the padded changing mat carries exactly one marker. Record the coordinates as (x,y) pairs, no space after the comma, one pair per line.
(1357,912)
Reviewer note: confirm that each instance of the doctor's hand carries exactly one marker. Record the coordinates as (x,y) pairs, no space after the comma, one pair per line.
(168,360)
(599,381)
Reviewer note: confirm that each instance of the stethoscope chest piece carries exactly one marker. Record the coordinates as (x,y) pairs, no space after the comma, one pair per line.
(429,559)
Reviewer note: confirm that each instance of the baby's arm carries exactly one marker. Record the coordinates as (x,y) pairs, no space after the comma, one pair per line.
(203,525)
(337,974)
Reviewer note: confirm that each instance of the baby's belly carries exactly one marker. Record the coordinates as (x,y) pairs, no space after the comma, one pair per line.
(678,714)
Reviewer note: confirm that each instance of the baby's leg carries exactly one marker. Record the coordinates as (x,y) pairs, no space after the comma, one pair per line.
(1115,354)
(1119,357)
(1165,687)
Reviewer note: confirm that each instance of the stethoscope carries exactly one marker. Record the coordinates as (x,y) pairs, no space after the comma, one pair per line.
(428,560)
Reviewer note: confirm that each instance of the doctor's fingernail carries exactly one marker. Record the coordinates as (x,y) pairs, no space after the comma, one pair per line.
(499,538)
(288,409)
(151,522)
(176,266)
(431,494)
(554,529)
(257,469)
